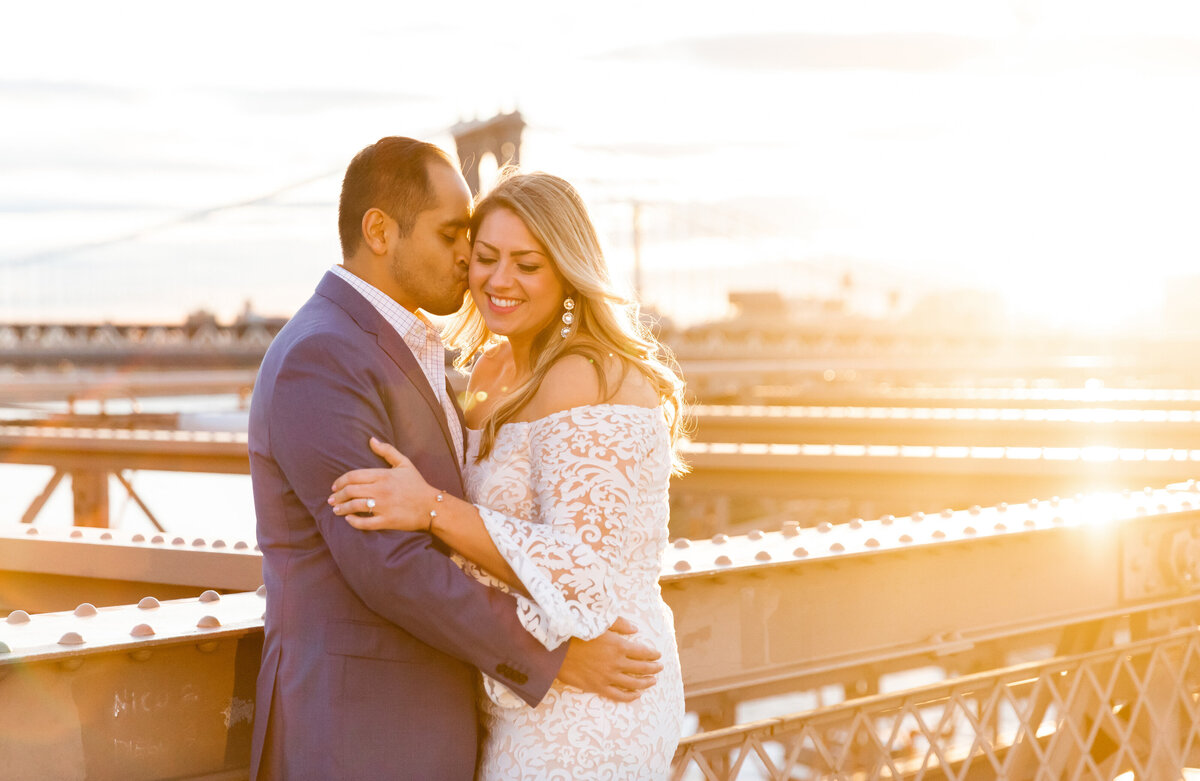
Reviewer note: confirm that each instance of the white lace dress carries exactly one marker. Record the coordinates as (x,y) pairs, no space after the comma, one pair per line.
(577,504)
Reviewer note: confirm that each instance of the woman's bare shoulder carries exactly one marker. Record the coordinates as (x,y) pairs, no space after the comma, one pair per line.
(573,381)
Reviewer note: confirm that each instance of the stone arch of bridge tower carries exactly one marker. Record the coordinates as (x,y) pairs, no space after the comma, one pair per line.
(499,136)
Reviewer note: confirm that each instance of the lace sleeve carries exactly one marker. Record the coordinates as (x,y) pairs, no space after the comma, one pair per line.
(585,474)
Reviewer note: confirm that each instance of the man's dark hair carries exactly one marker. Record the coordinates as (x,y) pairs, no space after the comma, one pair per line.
(393,175)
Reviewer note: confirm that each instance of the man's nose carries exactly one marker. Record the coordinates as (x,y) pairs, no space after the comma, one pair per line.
(462,249)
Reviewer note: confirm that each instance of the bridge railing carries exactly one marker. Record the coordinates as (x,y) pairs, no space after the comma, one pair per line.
(1130,708)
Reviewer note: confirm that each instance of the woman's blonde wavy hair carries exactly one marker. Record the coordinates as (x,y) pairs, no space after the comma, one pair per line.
(605,322)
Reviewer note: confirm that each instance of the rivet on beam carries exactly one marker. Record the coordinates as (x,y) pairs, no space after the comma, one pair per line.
(32,531)
(85,610)
(4,649)
(856,523)
(1002,507)
(975,509)
(1054,501)
(179,541)
(76,534)
(106,536)
(969,530)
(71,638)
(790,528)
(939,535)
(720,539)
(1033,504)
(141,630)
(906,538)
(888,520)
(158,539)
(918,516)
(800,553)
(138,538)
(18,617)
(1162,508)
(825,527)
(837,547)
(240,545)
(682,566)
(148,603)
(872,543)
(682,542)
(140,654)
(261,590)
(208,622)
(198,542)
(723,561)
(754,534)
(762,555)
(1000,527)
(218,544)
(947,513)
(1030,523)
(207,647)
(210,596)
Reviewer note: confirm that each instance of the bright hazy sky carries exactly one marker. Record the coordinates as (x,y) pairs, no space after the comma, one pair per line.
(1046,150)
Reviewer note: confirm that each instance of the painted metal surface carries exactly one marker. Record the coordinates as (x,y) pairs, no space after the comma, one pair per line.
(161,689)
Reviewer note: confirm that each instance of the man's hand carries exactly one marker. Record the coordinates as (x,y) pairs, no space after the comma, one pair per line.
(612,665)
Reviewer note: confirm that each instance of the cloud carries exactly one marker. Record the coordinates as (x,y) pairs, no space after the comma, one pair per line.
(24,89)
(303,101)
(916,52)
(804,51)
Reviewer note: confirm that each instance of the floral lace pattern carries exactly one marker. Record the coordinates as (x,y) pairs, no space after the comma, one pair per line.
(577,504)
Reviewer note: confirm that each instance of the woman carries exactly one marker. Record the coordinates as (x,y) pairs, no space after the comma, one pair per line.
(573,416)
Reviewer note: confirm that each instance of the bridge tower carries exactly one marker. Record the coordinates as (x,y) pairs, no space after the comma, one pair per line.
(500,135)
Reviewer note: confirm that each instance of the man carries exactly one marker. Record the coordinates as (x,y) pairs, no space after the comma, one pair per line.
(372,639)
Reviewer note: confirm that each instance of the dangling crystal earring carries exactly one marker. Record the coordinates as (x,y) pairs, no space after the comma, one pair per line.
(568,317)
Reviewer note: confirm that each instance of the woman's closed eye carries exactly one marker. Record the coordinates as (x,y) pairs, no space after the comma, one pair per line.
(484,260)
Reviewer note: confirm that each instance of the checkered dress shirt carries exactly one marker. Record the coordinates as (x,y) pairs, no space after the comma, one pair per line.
(422,338)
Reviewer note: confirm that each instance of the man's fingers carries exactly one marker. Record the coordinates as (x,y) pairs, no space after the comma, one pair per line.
(640,652)
(623,626)
(637,668)
(620,694)
(635,683)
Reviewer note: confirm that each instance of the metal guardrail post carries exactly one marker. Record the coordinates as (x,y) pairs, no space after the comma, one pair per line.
(90,490)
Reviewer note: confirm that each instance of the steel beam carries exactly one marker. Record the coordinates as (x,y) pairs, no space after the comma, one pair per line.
(942,426)
(156,690)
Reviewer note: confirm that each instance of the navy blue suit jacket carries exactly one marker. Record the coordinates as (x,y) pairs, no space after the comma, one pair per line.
(372,638)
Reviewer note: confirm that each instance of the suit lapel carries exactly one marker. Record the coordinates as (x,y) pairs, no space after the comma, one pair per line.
(368,318)
(462,420)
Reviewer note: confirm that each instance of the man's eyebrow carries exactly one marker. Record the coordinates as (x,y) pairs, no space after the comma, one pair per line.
(458,224)
(496,249)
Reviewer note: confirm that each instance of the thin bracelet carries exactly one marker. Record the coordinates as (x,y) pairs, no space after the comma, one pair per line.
(433,513)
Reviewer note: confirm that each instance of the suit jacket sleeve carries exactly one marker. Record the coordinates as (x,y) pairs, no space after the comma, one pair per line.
(325,406)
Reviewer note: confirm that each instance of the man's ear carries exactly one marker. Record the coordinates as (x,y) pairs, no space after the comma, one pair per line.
(375,225)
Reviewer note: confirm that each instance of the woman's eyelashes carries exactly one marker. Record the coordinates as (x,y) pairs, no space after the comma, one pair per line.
(524,268)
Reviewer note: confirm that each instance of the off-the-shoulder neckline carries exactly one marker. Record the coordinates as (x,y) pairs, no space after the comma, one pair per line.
(559,413)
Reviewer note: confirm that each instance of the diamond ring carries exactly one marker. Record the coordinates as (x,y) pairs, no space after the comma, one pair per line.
(371,506)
